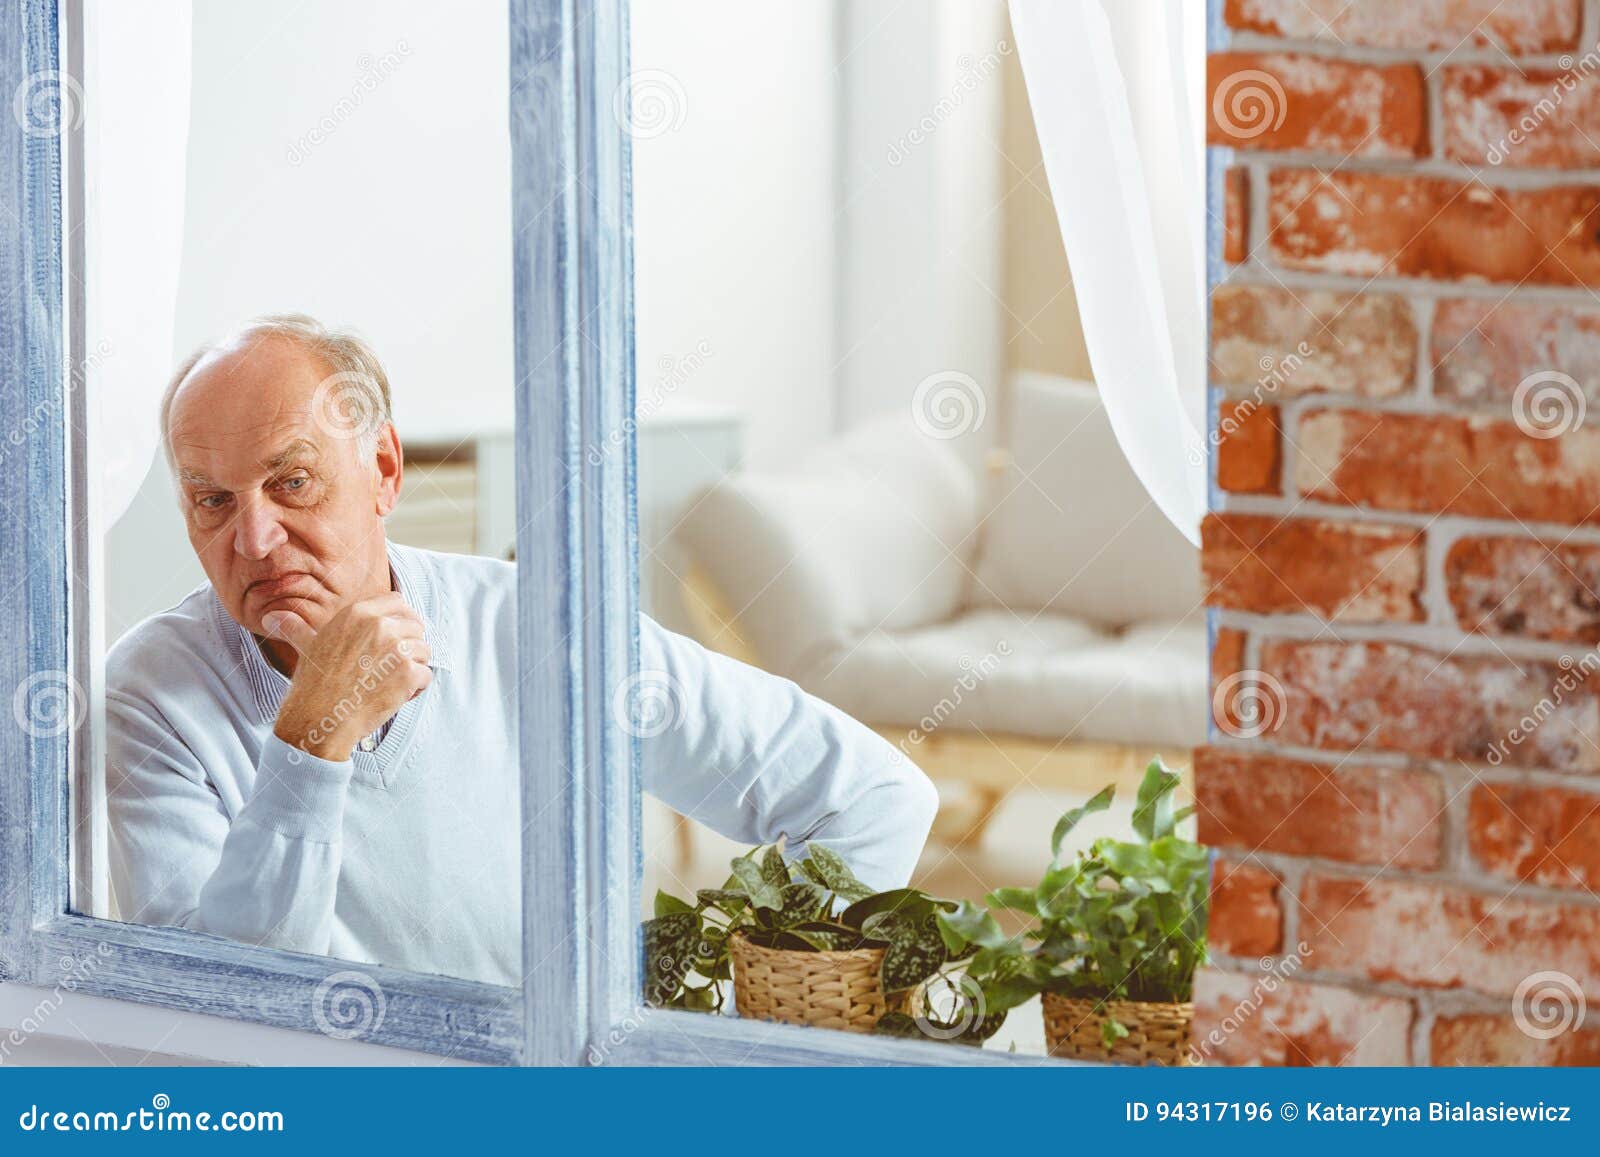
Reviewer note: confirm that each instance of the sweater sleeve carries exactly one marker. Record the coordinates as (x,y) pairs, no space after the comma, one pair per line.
(753,757)
(269,876)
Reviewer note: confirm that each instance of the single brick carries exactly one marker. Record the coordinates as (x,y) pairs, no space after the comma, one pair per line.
(1295,101)
(1243,1019)
(1525,26)
(1227,659)
(1489,1039)
(1236,216)
(1483,351)
(1539,835)
(1406,225)
(1354,571)
(1434,705)
(1245,918)
(1434,936)
(1442,464)
(1533,118)
(1362,815)
(1249,451)
(1227,652)
(1277,341)
(1524,587)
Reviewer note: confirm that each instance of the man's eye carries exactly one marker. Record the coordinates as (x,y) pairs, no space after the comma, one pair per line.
(293,484)
(213,501)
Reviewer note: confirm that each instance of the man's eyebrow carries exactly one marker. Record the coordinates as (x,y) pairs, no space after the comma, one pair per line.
(300,448)
(196,479)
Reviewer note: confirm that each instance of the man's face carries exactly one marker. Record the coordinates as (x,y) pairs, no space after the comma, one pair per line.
(284,512)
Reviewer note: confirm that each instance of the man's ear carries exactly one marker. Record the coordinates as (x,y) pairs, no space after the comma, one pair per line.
(390,464)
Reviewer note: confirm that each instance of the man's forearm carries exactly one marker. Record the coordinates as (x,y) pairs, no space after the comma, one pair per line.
(753,757)
(277,879)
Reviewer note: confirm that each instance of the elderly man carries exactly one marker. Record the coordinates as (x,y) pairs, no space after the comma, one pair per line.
(317,749)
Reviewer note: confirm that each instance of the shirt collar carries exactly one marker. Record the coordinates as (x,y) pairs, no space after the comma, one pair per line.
(413,581)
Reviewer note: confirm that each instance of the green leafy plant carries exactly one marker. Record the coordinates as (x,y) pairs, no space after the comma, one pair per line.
(813,905)
(1122,920)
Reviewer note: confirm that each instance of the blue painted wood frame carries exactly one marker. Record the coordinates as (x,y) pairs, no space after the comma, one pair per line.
(558,255)
(578,615)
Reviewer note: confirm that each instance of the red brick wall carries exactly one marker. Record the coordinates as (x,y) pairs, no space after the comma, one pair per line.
(1403,559)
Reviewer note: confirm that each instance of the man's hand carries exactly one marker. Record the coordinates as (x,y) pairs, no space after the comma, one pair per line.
(365,664)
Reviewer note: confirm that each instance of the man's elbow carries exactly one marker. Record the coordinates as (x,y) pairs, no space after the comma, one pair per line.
(922,801)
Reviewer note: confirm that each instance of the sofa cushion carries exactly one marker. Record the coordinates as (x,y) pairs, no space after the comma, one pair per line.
(1047,676)
(1071,529)
(872,530)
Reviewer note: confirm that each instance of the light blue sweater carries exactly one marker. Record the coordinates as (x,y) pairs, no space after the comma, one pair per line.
(409,855)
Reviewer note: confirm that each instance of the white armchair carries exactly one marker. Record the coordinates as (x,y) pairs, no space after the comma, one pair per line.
(1042,622)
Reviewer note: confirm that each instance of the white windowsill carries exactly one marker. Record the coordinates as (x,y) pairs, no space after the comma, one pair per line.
(170,1037)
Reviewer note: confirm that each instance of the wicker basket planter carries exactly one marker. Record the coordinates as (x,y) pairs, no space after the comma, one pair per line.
(1158,1034)
(821,989)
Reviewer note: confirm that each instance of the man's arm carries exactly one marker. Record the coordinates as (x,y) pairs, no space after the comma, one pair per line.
(753,757)
(270,876)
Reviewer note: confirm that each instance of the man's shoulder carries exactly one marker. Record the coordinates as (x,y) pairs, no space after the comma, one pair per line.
(461,577)
(163,646)
(461,568)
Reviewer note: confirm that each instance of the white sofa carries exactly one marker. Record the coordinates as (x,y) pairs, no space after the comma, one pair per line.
(1015,618)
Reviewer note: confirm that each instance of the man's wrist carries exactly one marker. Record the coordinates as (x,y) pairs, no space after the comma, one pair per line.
(333,746)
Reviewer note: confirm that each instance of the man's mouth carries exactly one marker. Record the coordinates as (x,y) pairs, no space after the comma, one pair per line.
(277,586)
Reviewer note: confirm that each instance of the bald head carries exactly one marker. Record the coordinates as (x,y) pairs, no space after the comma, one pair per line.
(354,397)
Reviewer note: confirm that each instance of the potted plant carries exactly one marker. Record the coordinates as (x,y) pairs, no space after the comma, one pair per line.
(1113,939)
(808,943)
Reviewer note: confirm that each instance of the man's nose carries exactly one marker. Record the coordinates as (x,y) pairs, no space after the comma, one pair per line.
(257,532)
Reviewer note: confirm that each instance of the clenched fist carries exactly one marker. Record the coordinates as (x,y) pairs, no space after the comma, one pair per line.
(364,665)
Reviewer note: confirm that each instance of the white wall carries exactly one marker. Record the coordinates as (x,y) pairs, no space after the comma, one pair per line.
(921,203)
(771,223)
(398,222)
(733,174)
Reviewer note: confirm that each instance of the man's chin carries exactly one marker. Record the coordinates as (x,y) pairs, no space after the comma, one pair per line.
(256,611)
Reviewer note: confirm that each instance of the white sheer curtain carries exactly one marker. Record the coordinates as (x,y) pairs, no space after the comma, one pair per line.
(135,105)
(1116,88)
(136,137)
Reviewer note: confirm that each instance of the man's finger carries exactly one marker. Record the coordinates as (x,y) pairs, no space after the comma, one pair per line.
(289,627)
